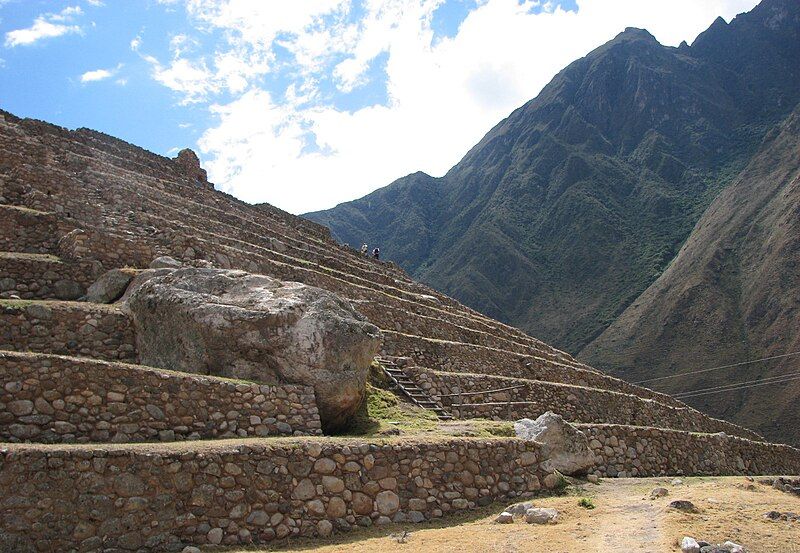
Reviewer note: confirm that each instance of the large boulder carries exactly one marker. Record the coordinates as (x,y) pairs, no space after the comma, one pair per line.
(564,447)
(241,325)
(110,286)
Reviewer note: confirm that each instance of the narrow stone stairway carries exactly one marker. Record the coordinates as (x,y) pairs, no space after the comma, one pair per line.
(410,389)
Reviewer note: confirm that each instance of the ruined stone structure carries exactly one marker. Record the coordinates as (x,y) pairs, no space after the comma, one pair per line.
(75,402)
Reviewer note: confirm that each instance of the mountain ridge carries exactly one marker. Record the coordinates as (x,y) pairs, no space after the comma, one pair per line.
(570,208)
(540,208)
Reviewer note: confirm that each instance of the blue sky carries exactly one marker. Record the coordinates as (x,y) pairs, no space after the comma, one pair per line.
(307,103)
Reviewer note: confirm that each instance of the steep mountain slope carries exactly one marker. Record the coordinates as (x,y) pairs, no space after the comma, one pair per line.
(732,293)
(568,209)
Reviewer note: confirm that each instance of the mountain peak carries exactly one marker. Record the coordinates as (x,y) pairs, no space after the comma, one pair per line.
(634,33)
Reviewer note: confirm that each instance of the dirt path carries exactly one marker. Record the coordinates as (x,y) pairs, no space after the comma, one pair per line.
(624,520)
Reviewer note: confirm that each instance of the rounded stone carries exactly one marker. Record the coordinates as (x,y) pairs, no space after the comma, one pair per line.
(20,407)
(315,507)
(551,481)
(325,466)
(333,484)
(387,502)
(215,536)
(305,490)
(337,508)
(324,528)
(361,503)
(128,485)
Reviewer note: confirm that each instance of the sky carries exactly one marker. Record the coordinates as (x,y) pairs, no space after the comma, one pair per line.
(308,103)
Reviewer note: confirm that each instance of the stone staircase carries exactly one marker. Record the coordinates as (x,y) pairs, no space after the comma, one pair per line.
(408,387)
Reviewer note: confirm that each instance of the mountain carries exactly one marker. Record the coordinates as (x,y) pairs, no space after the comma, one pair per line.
(573,205)
(732,293)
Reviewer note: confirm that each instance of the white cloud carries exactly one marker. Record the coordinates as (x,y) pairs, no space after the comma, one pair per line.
(102,74)
(136,42)
(292,147)
(96,75)
(48,25)
(193,80)
(96,3)
(67,14)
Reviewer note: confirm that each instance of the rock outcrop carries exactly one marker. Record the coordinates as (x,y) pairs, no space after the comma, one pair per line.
(110,286)
(240,325)
(565,448)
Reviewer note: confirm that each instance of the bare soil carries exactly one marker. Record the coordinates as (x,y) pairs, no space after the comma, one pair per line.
(624,519)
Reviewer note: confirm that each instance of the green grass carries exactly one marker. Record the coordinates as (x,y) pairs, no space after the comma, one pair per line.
(383,413)
(586,503)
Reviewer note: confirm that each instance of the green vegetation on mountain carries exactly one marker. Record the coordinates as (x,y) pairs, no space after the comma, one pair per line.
(732,294)
(572,206)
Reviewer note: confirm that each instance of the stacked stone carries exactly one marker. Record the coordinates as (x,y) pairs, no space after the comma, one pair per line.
(626,451)
(471,358)
(522,398)
(53,399)
(25,230)
(111,251)
(160,499)
(89,330)
(42,277)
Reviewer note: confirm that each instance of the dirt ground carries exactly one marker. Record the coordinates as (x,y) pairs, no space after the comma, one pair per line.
(624,519)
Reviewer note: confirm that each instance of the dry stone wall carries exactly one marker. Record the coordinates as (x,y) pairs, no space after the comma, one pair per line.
(37,276)
(574,403)
(624,451)
(89,330)
(111,251)
(24,230)
(161,498)
(469,358)
(53,399)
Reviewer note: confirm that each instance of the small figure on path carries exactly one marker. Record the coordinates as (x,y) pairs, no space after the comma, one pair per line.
(364,250)
(376,253)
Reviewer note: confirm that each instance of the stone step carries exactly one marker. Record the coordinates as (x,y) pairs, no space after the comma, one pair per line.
(460,357)
(27,230)
(60,399)
(67,328)
(409,388)
(44,276)
(505,398)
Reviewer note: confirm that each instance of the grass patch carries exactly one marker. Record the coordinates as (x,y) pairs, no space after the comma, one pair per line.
(586,503)
(382,413)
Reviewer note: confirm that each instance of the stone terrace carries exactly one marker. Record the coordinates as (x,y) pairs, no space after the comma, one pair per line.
(74,204)
(118,194)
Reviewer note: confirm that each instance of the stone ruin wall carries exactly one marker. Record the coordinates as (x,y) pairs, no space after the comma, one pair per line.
(53,399)
(625,451)
(45,277)
(69,329)
(111,251)
(468,358)
(161,500)
(574,403)
(23,230)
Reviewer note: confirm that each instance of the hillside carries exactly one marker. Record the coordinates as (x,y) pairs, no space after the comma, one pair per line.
(572,206)
(732,293)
